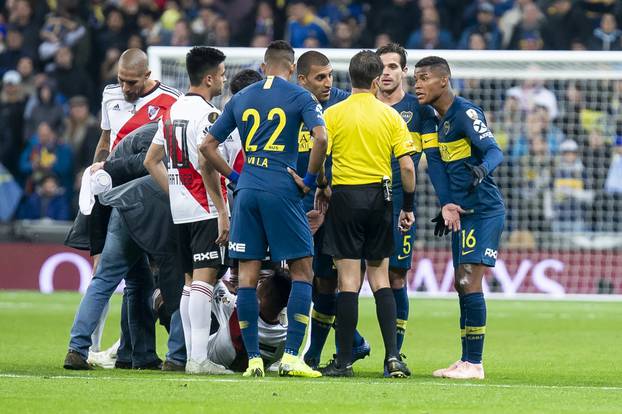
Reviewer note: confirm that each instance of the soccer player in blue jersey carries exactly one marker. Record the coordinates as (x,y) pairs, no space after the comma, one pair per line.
(470,154)
(315,74)
(421,122)
(268,208)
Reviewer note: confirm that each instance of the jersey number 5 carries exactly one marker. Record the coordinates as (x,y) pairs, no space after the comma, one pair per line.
(179,158)
(256,119)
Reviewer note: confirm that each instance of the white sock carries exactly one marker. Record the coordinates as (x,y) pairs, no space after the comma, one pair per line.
(200,308)
(98,333)
(185,319)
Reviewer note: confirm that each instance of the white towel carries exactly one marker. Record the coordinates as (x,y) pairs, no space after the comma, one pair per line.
(92,185)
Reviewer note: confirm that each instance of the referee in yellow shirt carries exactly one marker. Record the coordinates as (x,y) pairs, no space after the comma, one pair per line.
(363,133)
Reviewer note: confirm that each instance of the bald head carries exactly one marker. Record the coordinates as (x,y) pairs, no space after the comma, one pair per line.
(133,74)
(134,59)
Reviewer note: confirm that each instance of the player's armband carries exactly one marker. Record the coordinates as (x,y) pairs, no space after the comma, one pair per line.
(429,140)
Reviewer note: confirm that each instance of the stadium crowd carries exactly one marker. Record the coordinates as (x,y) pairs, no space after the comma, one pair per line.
(56,57)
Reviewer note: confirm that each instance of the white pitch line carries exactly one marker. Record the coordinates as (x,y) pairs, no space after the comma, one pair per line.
(315,381)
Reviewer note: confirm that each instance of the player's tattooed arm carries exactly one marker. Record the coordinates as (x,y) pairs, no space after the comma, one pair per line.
(103,147)
(211,179)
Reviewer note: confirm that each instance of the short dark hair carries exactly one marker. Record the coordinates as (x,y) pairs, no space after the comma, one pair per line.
(201,60)
(365,66)
(393,48)
(279,52)
(242,79)
(308,59)
(436,62)
(278,287)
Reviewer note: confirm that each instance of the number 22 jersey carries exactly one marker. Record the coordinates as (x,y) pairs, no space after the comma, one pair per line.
(181,130)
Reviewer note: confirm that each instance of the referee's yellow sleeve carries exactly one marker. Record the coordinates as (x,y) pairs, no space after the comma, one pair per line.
(402,140)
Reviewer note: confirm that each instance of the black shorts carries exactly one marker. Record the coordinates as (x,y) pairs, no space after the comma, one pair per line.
(358,223)
(196,245)
(98,227)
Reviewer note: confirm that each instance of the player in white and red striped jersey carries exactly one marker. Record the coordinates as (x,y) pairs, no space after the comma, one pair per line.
(134,101)
(197,198)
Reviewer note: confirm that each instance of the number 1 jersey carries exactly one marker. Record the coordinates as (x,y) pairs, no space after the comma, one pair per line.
(181,130)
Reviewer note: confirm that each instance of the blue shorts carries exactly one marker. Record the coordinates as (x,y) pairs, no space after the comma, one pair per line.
(261,219)
(478,240)
(323,265)
(402,256)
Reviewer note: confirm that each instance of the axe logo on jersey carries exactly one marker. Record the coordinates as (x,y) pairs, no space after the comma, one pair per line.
(479,126)
(406,116)
(199,257)
(152,111)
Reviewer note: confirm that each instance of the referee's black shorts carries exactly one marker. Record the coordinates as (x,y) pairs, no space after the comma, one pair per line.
(358,223)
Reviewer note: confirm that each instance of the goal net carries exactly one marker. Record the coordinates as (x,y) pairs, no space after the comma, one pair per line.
(558,118)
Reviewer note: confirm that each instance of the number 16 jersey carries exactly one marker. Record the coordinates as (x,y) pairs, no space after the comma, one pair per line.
(181,130)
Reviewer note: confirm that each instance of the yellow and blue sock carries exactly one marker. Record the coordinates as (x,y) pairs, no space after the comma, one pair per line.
(248,313)
(462,328)
(402,308)
(297,315)
(475,326)
(322,319)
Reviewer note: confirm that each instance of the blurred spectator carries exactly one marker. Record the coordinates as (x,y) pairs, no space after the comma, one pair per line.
(486,27)
(45,155)
(264,22)
(81,131)
(570,193)
(613,183)
(181,34)
(428,38)
(71,80)
(382,39)
(339,10)
(203,25)
(538,125)
(430,32)
(260,40)
(12,104)
(22,19)
(172,14)
(530,92)
(397,19)
(303,24)
(510,19)
(607,36)
(343,36)
(565,23)
(48,201)
(63,29)
(476,42)
(533,208)
(109,67)
(26,69)
(113,34)
(151,29)
(597,158)
(13,52)
(527,35)
(222,34)
(46,109)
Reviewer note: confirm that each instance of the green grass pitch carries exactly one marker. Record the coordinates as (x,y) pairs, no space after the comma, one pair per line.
(540,357)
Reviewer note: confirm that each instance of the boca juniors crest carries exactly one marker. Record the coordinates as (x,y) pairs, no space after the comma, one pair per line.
(406,116)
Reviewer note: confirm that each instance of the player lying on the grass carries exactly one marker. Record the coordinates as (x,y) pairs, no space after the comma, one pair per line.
(267,209)
(470,154)
(315,74)
(225,346)
(421,122)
